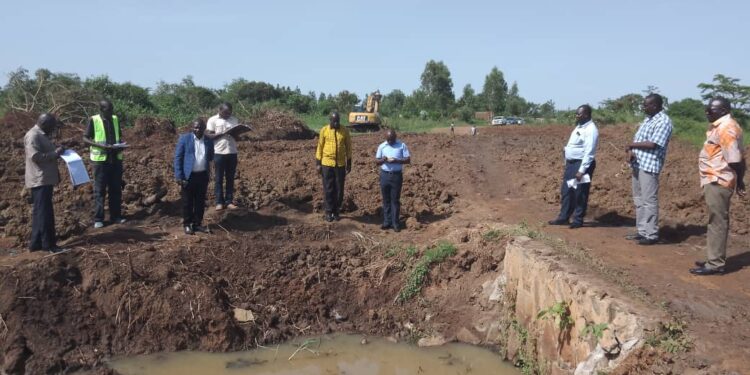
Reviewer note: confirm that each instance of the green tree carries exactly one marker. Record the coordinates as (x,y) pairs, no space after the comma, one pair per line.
(130,101)
(182,102)
(345,101)
(729,88)
(688,109)
(60,93)
(250,92)
(516,105)
(629,103)
(392,103)
(495,91)
(438,87)
(547,109)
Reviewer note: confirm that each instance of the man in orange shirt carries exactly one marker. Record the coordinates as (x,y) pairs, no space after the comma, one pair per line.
(722,169)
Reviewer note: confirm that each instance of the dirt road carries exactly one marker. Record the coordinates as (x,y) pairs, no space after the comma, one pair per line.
(145,287)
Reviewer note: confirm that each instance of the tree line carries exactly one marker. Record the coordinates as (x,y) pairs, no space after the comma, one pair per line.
(74,99)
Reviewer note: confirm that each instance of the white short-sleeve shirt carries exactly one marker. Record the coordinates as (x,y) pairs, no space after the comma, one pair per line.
(225,144)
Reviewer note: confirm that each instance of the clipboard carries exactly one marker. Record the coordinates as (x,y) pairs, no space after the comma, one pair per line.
(235,131)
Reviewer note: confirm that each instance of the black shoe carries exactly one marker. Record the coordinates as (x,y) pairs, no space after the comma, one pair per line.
(647,241)
(202,229)
(336,217)
(396,229)
(576,225)
(634,237)
(700,264)
(189,229)
(328,217)
(703,271)
(385,226)
(57,250)
(558,222)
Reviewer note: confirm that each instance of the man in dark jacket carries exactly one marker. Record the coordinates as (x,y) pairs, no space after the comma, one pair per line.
(192,159)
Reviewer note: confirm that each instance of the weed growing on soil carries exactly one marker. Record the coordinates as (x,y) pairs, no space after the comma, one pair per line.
(492,235)
(670,338)
(526,358)
(411,251)
(595,330)
(560,312)
(432,256)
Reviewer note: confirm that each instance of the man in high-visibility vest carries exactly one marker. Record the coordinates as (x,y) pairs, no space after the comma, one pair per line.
(333,159)
(104,137)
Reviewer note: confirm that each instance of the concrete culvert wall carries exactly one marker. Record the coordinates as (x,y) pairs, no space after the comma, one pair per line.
(558,318)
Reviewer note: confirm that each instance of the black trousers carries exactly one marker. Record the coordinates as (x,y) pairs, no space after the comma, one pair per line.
(194,198)
(574,202)
(226,167)
(390,189)
(333,187)
(42,219)
(108,183)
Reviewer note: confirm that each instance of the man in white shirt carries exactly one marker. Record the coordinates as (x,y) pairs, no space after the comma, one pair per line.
(225,155)
(579,164)
(391,157)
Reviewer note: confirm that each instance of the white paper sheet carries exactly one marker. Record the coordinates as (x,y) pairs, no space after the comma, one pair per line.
(573,183)
(77,170)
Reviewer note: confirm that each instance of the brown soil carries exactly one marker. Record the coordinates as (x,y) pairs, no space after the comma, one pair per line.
(145,287)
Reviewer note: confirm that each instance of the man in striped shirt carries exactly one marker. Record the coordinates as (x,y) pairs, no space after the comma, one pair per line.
(646,155)
(722,170)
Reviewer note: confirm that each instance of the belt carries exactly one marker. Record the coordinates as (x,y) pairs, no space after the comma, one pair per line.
(571,161)
(391,172)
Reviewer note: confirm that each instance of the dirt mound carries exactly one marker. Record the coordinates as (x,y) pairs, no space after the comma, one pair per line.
(147,127)
(271,124)
(15,124)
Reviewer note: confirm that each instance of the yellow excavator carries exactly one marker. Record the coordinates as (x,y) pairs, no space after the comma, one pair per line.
(365,118)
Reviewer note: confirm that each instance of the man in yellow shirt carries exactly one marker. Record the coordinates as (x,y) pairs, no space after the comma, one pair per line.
(333,160)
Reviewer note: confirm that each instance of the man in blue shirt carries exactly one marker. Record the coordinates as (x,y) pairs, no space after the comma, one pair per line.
(646,155)
(391,157)
(579,162)
(192,159)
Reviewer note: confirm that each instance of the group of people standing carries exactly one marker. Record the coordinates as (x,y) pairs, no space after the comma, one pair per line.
(721,167)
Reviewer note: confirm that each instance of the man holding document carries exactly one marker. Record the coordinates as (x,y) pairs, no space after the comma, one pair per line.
(221,130)
(104,137)
(391,156)
(579,168)
(41,176)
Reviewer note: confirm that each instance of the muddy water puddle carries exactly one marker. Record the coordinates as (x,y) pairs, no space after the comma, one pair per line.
(339,354)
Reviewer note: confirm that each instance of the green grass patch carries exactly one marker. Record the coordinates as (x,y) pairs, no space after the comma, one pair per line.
(671,338)
(492,235)
(432,256)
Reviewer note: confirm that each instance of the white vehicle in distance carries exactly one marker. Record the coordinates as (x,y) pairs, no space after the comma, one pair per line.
(499,120)
(514,121)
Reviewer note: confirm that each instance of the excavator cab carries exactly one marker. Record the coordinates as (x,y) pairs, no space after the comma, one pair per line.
(365,118)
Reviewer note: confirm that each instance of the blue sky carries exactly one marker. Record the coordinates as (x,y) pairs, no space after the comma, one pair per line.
(572,52)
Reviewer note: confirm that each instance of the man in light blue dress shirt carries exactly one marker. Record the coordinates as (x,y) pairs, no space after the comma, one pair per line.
(579,162)
(391,157)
